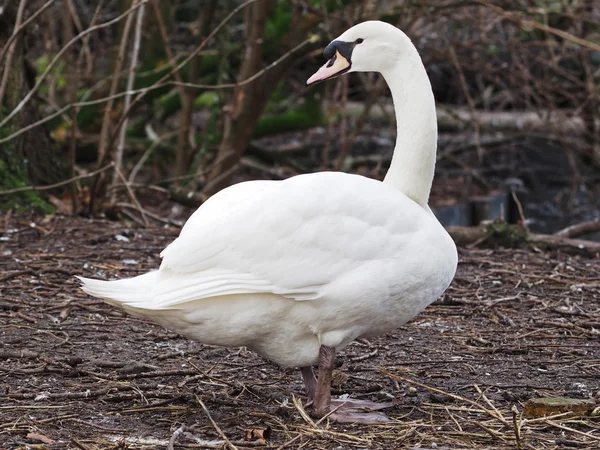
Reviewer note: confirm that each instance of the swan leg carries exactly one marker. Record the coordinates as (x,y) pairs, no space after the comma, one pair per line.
(346,410)
(310,382)
(323,390)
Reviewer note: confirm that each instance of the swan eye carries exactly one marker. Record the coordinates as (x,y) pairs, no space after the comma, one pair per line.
(359,41)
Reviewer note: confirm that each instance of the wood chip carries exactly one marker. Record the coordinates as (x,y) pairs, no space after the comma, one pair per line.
(548,406)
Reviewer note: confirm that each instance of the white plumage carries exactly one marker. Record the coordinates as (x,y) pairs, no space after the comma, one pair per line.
(284,267)
(287,267)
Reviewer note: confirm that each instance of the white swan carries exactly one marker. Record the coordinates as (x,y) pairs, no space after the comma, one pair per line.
(297,269)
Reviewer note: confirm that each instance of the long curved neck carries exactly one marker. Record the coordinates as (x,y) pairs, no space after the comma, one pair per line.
(413,163)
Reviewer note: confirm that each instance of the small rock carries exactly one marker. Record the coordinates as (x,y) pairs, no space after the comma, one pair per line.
(283,412)
(74,361)
(548,406)
(440,398)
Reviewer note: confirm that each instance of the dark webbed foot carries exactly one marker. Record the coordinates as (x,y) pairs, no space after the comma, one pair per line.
(344,410)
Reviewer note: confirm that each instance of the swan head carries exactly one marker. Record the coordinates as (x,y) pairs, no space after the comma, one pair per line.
(371,46)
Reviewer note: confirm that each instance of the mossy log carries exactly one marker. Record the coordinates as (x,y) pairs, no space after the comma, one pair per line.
(501,234)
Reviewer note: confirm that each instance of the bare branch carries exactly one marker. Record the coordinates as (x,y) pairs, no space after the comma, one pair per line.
(523,23)
(132,195)
(184,62)
(156,142)
(55,185)
(106,119)
(470,102)
(145,90)
(132,65)
(43,76)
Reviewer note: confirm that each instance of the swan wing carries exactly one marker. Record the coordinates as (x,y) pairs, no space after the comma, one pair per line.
(291,238)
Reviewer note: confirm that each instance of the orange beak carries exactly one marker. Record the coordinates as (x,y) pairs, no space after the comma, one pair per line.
(337,65)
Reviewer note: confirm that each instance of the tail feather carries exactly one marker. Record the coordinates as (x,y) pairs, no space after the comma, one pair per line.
(133,292)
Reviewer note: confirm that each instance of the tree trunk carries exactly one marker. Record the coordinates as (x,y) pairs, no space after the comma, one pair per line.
(182,155)
(30,158)
(249,100)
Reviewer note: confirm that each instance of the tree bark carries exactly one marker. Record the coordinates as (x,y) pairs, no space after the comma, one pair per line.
(182,157)
(32,157)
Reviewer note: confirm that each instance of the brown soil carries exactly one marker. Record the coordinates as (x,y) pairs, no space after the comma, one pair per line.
(76,373)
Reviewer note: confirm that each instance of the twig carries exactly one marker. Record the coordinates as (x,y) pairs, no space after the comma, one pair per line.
(519,206)
(150,214)
(465,89)
(85,47)
(290,442)
(216,181)
(298,404)
(192,55)
(132,65)
(69,18)
(55,185)
(494,434)
(79,444)
(310,40)
(454,396)
(214,424)
(490,404)
(539,26)
(165,38)
(106,119)
(572,430)
(482,181)
(11,51)
(156,141)
(133,197)
(157,85)
(515,413)
(174,437)
(69,106)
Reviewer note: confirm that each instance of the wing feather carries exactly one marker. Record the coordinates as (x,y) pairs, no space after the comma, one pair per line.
(291,238)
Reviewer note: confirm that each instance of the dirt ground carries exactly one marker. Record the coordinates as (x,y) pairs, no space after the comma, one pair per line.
(78,374)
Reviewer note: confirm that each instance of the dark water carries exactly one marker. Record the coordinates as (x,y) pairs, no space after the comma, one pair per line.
(556,186)
(542,214)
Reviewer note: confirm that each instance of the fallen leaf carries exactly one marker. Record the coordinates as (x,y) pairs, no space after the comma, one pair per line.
(258,434)
(64,204)
(64,314)
(40,437)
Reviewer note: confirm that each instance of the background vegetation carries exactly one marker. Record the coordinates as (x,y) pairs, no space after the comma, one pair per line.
(149,103)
